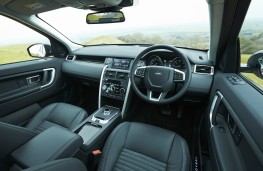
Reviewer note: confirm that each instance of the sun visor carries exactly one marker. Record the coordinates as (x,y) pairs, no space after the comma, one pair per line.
(87,4)
(96,4)
(30,7)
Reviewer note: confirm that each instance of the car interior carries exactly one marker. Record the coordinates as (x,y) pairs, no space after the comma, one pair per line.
(135,106)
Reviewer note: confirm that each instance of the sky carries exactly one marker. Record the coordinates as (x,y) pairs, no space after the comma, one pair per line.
(143,13)
(150,13)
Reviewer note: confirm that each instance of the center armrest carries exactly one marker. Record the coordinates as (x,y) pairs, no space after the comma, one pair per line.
(54,143)
(95,129)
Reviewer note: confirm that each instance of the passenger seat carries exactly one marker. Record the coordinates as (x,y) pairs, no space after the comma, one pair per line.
(57,114)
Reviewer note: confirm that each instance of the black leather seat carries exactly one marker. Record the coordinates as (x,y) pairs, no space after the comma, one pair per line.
(68,164)
(134,147)
(137,146)
(57,114)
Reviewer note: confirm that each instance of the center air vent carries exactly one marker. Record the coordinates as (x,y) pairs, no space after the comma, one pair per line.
(71,57)
(203,69)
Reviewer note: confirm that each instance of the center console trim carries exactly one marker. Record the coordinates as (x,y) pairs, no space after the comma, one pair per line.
(123,111)
(94,119)
(127,90)
(101,77)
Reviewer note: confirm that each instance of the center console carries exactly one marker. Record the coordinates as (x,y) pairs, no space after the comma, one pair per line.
(114,85)
(113,96)
(96,128)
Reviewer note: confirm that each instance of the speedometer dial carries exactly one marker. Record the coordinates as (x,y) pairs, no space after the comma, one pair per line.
(156,60)
(177,63)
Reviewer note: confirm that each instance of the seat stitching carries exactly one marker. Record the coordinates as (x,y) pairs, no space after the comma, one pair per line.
(132,165)
(183,155)
(153,166)
(107,151)
(143,157)
(75,118)
(52,110)
(170,152)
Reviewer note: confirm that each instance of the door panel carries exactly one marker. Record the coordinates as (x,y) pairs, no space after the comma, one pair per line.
(25,84)
(235,124)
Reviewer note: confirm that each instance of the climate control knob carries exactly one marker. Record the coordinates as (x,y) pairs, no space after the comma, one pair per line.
(104,87)
(111,89)
(122,90)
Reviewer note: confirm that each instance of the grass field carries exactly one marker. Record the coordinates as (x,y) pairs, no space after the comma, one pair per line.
(244,58)
(14,53)
(104,40)
(18,53)
(251,76)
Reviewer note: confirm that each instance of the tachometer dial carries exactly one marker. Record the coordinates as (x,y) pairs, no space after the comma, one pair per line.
(156,60)
(177,63)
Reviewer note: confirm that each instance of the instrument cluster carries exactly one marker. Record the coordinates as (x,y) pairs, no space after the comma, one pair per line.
(166,59)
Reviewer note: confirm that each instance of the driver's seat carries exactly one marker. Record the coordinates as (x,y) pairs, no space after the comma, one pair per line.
(137,146)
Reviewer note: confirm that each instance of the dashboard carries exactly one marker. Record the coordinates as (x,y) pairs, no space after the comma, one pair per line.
(88,64)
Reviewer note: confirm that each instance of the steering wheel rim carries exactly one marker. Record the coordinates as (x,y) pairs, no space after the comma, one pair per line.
(161,100)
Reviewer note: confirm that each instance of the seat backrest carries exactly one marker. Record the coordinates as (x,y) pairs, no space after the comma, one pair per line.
(137,146)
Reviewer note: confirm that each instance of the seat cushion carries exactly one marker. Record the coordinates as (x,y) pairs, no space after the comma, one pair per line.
(57,114)
(137,146)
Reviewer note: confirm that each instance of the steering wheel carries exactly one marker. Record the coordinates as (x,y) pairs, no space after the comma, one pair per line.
(160,79)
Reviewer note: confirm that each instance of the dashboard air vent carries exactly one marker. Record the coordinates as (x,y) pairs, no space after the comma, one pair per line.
(71,57)
(203,69)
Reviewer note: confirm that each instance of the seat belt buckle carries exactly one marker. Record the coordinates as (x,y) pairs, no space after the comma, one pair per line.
(96,152)
(94,160)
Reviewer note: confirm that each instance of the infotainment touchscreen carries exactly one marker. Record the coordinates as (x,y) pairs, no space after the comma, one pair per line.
(121,63)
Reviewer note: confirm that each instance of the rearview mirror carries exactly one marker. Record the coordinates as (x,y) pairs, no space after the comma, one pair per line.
(39,50)
(105,17)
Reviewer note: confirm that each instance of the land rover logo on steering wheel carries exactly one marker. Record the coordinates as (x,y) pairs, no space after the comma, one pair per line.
(158,73)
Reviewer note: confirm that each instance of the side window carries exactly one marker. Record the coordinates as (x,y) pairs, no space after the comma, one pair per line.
(251,44)
(15,38)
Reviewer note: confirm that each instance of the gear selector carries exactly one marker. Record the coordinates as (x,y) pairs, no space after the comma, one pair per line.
(105,114)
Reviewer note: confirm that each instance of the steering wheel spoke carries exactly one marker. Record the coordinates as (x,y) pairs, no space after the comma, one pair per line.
(140,72)
(161,96)
(179,76)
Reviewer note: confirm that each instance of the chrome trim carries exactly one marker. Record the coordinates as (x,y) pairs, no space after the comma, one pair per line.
(177,70)
(94,119)
(211,73)
(28,79)
(217,95)
(101,78)
(53,73)
(125,99)
(154,99)
(74,57)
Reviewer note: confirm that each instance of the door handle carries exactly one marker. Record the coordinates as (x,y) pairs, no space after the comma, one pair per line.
(33,79)
(48,77)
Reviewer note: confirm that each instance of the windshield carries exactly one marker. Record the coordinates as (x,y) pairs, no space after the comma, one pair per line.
(175,22)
